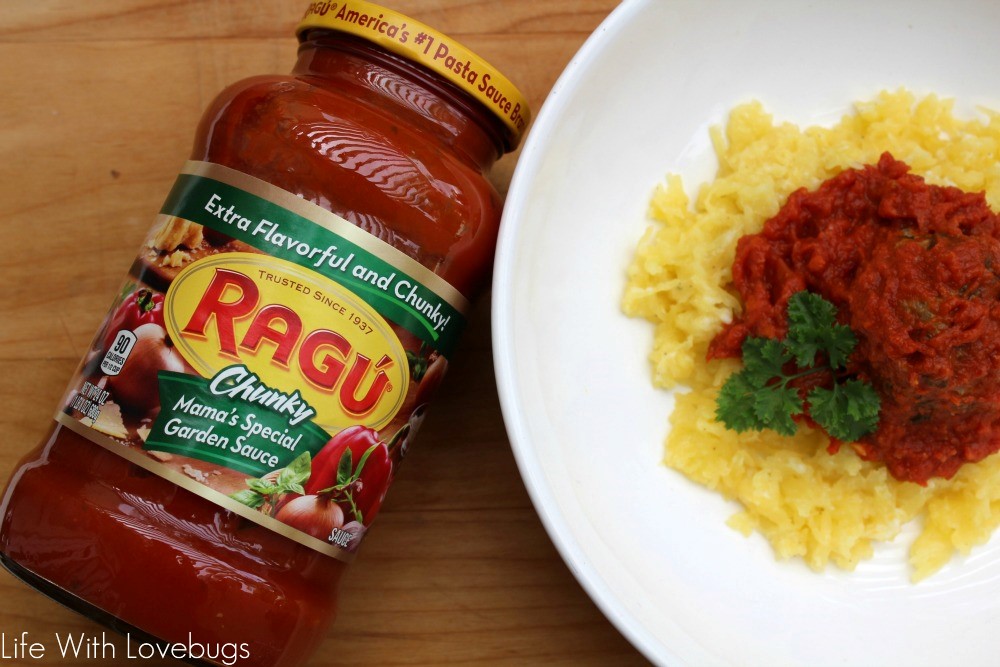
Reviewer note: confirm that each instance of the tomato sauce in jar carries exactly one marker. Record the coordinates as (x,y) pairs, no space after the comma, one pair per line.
(231,433)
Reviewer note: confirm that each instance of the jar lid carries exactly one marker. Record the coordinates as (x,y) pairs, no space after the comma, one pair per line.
(420,43)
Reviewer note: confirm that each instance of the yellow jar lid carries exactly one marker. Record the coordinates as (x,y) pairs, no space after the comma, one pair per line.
(420,43)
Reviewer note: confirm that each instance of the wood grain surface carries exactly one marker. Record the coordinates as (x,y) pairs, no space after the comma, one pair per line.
(100,101)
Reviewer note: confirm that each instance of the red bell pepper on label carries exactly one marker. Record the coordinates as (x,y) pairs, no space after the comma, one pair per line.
(142,306)
(355,468)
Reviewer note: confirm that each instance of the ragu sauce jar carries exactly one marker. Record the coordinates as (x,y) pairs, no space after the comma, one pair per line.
(230,436)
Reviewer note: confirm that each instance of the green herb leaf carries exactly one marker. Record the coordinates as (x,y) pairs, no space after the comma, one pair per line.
(344,467)
(763,395)
(730,405)
(262,487)
(813,328)
(848,412)
(296,472)
(364,459)
(764,359)
(251,499)
(807,310)
(774,407)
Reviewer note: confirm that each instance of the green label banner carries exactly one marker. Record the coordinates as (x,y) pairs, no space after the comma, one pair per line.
(253,438)
(275,230)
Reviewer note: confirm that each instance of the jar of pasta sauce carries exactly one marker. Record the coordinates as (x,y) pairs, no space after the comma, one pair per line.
(229,438)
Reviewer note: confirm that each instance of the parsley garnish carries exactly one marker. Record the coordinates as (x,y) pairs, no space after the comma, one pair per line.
(761,395)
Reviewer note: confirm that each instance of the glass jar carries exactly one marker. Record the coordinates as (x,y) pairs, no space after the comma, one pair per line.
(343,204)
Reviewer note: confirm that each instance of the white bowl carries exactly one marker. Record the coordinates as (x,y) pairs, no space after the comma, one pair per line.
(587,428)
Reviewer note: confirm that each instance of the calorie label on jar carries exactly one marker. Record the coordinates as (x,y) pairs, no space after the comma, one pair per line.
(269,356)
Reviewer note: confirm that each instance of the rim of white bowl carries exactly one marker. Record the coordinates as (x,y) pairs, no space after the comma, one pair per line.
(551,515)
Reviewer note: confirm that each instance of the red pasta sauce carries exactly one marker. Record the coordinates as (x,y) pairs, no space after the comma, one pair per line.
(913,270)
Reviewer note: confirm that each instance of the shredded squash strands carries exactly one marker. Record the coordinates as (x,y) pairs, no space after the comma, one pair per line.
(808,504)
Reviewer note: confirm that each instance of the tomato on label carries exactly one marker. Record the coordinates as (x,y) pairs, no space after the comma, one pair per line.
(355,469)
(142,306)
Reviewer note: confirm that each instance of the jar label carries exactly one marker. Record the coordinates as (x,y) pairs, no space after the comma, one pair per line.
(269,356)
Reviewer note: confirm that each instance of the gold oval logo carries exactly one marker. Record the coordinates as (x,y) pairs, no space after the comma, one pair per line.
(295,330)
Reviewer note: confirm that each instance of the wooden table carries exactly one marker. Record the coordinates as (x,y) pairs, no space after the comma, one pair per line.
(100,100)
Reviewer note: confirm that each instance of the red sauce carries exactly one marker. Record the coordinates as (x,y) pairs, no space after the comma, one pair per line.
(386,145)
(914,270)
